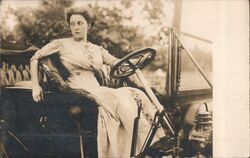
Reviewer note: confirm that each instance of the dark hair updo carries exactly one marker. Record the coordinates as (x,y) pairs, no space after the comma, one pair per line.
(85,12)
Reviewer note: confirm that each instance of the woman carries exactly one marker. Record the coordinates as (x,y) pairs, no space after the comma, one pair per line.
(117,107)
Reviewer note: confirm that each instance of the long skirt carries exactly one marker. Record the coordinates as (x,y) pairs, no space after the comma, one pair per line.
(117,110)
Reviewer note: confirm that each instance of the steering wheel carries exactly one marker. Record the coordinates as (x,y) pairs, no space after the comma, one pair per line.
(133,61)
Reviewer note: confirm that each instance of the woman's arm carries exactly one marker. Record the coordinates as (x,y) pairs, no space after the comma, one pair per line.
(52,47)
(108,59)
(37,92)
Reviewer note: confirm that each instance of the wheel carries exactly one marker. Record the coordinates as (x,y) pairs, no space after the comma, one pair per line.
(135,60)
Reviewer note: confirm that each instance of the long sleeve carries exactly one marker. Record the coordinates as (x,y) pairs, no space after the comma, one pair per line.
(50,48)
(107,58)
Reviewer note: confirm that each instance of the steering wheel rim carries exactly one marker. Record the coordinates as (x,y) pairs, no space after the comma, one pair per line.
(135,60)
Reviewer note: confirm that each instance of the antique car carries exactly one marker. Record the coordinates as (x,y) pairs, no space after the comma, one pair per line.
(65,123)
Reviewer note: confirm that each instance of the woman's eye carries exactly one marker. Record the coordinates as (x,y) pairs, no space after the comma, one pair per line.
(72,24)
(80,23)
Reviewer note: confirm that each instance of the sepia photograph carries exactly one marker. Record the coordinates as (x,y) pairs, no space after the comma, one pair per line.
(109,78)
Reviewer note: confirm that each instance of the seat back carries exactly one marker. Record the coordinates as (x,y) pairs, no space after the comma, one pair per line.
(10,74)
(55,73)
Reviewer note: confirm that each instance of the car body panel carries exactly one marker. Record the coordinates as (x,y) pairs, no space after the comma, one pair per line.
(60,136)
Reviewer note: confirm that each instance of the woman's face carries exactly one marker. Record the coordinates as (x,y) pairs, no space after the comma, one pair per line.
(79,27)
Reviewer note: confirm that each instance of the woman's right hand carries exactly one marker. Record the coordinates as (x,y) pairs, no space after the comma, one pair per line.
(37,93)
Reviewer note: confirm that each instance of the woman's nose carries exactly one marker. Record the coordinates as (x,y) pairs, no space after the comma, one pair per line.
(76,26)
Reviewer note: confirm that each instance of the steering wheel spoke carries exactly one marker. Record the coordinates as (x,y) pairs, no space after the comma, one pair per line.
(138,60)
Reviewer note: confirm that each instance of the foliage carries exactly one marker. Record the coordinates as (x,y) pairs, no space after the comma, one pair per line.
(44,24)
(7,34)
(109,32)
(113,28)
